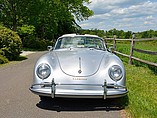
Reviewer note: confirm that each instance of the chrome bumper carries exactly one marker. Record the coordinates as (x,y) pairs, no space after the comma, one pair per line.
(98,91)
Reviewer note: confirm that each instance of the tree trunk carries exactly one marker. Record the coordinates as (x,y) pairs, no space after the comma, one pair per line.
(14,16)
(14,24)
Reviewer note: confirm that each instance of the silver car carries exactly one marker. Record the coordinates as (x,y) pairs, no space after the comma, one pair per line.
(79,66)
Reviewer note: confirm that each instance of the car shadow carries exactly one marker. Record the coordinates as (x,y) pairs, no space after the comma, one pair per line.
(69,104)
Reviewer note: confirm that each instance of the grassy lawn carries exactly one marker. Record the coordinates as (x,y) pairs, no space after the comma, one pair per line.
(141,83)
(141,80)
(21,58)
(124,47)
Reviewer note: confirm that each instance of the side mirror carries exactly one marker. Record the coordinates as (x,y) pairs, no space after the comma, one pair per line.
(49,48)
(110,49)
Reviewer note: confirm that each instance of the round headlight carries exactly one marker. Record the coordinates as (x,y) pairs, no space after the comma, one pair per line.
(43,71)
(115,72)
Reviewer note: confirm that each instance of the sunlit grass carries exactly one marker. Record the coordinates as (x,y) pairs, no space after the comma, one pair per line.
(141,83)
(20,58)
(148,45)
(141,80)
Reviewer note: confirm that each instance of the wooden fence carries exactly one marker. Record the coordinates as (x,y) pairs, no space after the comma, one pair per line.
(132,49)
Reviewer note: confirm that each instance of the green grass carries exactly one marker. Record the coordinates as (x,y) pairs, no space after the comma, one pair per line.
(20,58)
(141,80)
(124,47)
(141,83)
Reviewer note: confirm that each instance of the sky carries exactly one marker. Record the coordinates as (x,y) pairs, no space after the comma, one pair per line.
(127,15)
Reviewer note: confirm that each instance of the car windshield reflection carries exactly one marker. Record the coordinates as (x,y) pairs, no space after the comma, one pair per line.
(80,42)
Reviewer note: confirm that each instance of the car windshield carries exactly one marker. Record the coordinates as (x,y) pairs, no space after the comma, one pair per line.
(80,42)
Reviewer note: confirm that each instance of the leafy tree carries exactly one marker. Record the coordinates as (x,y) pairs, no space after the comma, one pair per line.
(121,34)
(93,32)
(11,12)
(145,34)
(26,30)
(128,35)
(49,17)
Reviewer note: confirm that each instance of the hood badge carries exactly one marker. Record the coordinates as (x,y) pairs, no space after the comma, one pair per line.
(80,71)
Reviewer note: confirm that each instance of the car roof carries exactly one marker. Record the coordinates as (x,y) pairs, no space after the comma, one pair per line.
(74,35)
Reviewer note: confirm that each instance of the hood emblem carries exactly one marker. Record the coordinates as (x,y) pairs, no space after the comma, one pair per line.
(80,71)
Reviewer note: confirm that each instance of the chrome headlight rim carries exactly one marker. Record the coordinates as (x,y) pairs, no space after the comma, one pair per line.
(115,72)
(43,71)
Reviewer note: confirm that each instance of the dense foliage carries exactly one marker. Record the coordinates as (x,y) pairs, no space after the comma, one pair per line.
(50,18)
(3,59)
(30,40)
(126,35)
(10,43)
(119,33)
(92,32)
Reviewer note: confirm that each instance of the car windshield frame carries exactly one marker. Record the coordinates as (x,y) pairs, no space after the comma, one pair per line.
(80,42)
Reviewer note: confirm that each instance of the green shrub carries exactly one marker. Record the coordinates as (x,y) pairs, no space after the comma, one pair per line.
(30,40)
(26,30)
(3,60)
(10,43)
(35,43)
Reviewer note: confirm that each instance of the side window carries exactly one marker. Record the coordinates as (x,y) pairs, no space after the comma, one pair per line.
(58,45)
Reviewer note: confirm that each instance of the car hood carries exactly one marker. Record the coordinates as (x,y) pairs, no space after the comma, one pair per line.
(80,63)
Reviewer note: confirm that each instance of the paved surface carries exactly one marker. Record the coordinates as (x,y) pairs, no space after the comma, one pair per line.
(16,101)
(25,53)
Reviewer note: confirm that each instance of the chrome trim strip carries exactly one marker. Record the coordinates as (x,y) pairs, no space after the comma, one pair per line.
(107,85)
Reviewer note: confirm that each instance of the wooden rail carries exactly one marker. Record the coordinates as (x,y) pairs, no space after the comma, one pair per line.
(132,49)
(145,51)
(137,59)
(148,39)
(125,55)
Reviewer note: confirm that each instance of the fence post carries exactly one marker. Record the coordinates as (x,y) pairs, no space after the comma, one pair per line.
(105,39)
(131,49)
(114,42)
